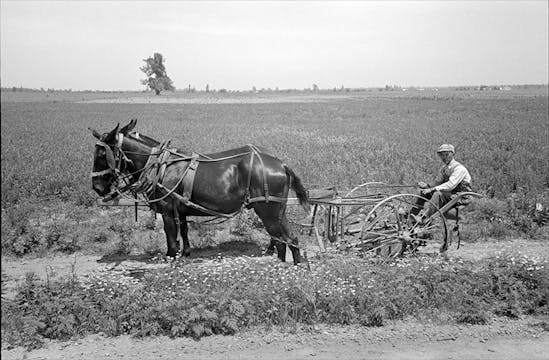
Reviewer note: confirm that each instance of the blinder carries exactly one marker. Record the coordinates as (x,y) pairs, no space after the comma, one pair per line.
(111,162)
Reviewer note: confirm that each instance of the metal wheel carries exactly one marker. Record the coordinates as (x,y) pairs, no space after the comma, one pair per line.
(365,194)
(392,227)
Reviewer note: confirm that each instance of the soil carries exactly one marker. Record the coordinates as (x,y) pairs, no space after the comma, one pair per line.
(518,339)
(526,338)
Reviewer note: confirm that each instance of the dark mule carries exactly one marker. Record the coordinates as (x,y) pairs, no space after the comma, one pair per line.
(178,186)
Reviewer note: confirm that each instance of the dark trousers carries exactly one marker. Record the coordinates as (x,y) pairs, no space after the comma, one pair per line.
(437,200)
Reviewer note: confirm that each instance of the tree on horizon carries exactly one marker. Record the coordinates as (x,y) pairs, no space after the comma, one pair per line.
(157,78)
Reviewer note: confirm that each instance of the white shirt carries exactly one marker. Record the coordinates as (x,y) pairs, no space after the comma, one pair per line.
(452,175)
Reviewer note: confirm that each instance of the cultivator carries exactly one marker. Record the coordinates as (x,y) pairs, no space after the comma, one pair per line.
(380,218)
(371,218)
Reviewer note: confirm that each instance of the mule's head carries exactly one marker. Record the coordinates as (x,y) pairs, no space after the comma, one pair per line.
(106,158)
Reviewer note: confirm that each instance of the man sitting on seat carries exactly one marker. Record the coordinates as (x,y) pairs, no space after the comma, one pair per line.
(452,178)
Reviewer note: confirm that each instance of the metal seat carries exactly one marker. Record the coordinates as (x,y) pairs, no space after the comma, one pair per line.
(451,209)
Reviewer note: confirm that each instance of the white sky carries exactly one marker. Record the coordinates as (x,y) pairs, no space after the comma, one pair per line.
(100,45)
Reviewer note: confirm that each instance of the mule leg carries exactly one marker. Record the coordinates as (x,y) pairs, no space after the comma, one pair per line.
(170,228)
(184,230)
(274,219)
(269,215)
(271,248)
(290,239)
(281,250)
(274,229)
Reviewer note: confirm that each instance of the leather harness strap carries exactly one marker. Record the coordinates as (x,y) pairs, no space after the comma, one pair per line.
(190,204)
(188,182)
(265,183)
(111,160)
(255,152)
(114,163)
(163,164)
(188,177)
(267,199)
(159,159)
(249,182)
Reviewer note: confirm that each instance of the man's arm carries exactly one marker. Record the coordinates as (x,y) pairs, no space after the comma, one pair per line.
(457,176)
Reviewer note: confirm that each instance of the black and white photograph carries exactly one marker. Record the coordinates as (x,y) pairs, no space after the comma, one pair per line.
(277,179)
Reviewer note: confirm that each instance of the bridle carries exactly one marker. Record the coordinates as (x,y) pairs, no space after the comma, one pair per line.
(114,158)
(117,162)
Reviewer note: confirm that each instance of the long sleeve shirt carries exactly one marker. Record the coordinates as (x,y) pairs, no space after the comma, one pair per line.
(451,175)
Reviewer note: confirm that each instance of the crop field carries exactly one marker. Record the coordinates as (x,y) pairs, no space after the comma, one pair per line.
(47,149)
(331,141)
(328,139)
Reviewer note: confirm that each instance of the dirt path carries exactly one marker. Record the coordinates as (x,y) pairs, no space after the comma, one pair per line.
(14,269)
(400,340)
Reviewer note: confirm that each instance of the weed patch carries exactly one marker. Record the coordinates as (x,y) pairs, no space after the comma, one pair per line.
(223,296)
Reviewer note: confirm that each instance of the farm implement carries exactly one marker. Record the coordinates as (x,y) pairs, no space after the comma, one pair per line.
(373,217)
(380,218)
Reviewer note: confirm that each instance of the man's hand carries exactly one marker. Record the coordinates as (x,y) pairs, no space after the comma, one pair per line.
(422,185)
(427,191)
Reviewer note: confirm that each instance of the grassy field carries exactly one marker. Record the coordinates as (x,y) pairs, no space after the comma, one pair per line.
(340,139)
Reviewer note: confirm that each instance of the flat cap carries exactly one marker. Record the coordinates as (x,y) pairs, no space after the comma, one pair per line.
(446,147)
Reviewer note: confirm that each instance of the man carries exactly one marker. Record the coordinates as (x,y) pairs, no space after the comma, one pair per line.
(452,178)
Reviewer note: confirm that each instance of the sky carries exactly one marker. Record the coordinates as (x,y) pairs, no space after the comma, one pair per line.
(236,45)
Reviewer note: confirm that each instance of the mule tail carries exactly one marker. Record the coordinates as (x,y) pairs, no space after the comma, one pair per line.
(297,186)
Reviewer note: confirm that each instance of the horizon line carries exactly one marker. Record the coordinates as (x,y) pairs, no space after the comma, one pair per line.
(269,89)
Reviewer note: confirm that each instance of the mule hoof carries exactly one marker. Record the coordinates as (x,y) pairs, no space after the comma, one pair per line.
(269,252)
(172,253)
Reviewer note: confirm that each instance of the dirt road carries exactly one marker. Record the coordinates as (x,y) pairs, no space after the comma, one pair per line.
(519,339)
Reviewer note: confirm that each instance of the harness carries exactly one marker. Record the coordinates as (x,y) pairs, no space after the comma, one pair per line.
(255,152)
(161,157)
(113,160)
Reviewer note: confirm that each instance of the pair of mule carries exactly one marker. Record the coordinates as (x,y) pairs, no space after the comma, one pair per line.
(222,183)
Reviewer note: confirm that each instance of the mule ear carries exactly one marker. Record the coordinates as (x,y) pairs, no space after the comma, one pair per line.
(95,133)
(126,129)
(112,135)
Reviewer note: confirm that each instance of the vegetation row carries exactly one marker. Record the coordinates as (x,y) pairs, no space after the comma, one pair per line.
(224,296)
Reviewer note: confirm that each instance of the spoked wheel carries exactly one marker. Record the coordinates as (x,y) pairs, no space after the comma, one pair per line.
(393,227)
(354,214)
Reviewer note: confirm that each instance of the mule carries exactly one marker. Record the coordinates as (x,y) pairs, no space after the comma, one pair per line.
(177,185)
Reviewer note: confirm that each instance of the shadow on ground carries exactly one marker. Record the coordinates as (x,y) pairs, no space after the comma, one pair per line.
(226,249)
